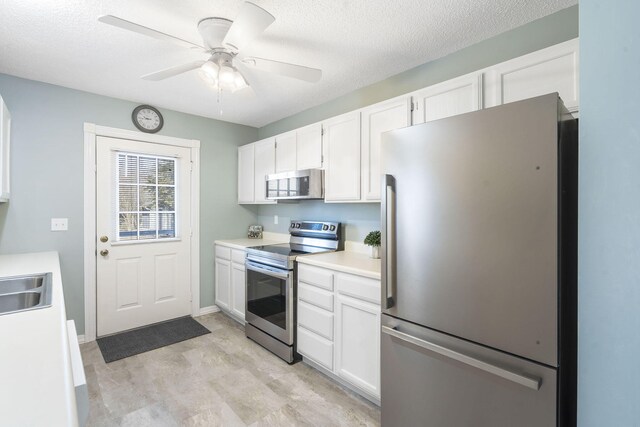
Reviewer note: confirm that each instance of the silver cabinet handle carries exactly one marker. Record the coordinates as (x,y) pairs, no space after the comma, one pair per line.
(529,382)
(388,208)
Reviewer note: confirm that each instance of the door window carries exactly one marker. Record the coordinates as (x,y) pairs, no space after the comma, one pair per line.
(145,197)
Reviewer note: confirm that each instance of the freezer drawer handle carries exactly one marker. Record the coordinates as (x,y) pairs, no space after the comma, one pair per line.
(530,382)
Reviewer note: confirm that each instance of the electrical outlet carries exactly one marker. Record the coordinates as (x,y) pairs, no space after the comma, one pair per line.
(59,224)
(275,219)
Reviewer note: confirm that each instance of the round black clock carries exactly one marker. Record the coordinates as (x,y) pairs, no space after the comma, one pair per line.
(147,118)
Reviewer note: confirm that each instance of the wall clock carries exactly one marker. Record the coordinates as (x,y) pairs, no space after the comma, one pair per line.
(147,118)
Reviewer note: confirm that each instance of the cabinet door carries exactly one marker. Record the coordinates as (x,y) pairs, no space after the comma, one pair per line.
(286,152)
(246,180)
(265,164)
(457,96)
(238,276)
(358,343)
(342,176)
(5,141)
(309,147)
(554,69)
(223,283)
(377,119)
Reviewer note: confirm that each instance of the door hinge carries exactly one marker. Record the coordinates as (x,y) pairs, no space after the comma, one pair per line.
(191,166)
(413,106)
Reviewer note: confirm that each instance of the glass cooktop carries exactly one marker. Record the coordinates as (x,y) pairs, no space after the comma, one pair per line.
(288,249)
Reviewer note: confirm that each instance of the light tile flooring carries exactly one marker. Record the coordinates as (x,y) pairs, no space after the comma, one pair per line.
(218,379)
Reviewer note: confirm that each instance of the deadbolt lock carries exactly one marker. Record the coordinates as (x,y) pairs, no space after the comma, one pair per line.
(104,252)
(104,239)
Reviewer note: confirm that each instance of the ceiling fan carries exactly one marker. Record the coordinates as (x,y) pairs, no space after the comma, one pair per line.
(222,41)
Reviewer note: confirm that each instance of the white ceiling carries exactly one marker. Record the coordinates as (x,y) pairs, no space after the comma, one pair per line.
(354,42)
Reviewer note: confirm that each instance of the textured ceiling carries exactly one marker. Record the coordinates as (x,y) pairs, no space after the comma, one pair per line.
(354,42)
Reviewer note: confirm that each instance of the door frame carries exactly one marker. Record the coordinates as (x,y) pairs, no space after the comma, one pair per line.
(91,132)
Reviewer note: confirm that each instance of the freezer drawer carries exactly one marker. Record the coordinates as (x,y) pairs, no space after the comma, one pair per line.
(429,378)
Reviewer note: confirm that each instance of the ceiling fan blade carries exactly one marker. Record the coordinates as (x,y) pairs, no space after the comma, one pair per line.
(251,22)
(173,71)
(299,72)
(141,29)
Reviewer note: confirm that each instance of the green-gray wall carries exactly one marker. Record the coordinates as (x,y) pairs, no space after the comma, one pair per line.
(47,176)
(553,29)
(609,224)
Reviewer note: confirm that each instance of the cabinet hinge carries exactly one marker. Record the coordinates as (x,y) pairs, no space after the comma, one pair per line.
(275,144)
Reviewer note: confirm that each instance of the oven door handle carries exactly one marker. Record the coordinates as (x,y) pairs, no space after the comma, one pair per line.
(266,270)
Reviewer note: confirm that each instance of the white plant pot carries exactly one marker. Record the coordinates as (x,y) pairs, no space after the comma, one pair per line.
(375,252)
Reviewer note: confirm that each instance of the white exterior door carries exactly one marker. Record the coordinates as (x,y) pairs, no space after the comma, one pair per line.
(143,217)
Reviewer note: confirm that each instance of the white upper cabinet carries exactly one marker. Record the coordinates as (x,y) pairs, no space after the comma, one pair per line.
(265,164)
(309,147)
(286,152)
(554,69)
(376,119)
(457,96)
(342,140)
(5,141)
(245,174)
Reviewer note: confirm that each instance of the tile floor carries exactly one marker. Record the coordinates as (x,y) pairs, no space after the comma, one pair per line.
(218,379)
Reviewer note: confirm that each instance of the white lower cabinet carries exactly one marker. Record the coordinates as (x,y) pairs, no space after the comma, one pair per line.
(339,326)
(230,277)
(358,343)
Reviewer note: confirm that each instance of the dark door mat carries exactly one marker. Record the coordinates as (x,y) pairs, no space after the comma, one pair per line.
(130,343)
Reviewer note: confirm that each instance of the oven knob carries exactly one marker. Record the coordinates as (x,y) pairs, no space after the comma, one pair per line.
(297,225)
(293,225)
(332,228)
(325,227)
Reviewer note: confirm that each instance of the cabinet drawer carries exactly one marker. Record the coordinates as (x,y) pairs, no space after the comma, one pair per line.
(315,319)
(238,256)
(315,348)
(316,296)
(315,276)
(223,252)
(359,287)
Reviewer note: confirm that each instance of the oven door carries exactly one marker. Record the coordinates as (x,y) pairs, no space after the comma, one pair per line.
(270,300)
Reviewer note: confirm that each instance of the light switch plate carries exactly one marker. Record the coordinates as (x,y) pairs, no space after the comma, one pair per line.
(59,224)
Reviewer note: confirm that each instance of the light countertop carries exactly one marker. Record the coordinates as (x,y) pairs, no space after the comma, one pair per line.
(345,261)
(246,243)
(35,365)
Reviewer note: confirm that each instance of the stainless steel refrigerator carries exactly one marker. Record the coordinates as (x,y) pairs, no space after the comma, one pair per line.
(479,264)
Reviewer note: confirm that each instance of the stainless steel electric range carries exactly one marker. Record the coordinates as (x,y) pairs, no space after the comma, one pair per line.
(272,284)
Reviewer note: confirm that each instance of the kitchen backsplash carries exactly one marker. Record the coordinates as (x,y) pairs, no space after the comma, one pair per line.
(357,218)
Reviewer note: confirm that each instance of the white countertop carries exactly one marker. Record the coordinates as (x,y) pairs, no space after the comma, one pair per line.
(35,367)
(345,261)
(246,243)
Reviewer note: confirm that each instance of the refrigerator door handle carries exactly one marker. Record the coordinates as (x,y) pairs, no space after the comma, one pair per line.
(388,207)
(527,381)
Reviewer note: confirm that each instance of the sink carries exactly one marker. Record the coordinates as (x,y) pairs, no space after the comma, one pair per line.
(18,302)
(23,293)
(10,285)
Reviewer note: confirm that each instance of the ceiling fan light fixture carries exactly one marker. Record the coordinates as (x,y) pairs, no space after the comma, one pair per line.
(207,78)
(227,75)
(211,68)
(240,82)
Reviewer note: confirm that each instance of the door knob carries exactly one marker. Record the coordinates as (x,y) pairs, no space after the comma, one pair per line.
(104,239)
(104,252)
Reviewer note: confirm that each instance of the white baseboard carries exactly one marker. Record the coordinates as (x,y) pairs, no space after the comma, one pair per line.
(208,310)
(81,339)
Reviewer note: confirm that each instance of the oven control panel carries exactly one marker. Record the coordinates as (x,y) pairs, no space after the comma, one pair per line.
(315,228)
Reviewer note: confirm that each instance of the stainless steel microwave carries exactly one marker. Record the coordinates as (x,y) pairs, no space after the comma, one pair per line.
(297,185)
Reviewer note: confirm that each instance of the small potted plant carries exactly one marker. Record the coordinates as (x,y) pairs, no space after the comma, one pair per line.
(373,240)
